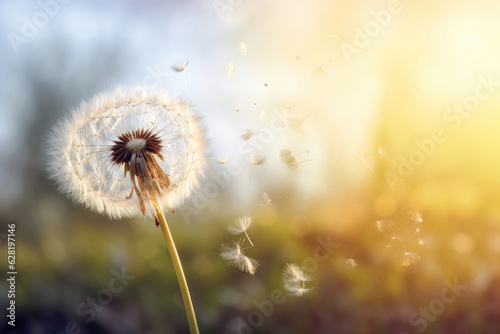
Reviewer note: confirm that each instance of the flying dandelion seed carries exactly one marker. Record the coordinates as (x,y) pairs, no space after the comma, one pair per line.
(348,263)
(243,49)
(384,224)
(248,134)
(296,124)
(416,219)
(235,256)
(291,159)
(240,225)
(409,258)
(415,216)
(295,280)
(223,161)
(230,69)
(153,138)
(256,160)
(395,239)
(263,117)
(181,67)
(266,201)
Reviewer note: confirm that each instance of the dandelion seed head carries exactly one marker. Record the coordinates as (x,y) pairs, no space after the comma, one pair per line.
(240,225)
(122,151)
(409,258)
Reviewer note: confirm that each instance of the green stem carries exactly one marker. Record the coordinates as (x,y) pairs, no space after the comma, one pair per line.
(188,304)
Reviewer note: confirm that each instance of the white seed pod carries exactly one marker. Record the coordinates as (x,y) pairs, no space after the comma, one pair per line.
(121,152)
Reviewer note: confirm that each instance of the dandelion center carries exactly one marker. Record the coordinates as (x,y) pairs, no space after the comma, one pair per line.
(136,145)
(134,142)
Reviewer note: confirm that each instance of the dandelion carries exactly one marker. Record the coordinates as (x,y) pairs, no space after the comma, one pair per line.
(266,201)
(243,49)
(296,123)
(131,153)
(256,160)
(230,69)
(248,134)
(384,225)
(296,280)
(223,160)
(235,256)
(409,258)
(291,159)
(180,67)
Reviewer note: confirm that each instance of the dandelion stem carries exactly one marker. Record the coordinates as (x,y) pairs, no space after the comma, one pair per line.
(250,241)
(188,304)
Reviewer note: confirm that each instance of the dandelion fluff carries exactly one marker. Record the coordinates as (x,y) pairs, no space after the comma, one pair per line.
(240,225)
(348,263)
(266,201)
(247,135)
(295,280)
(384,224)
(235,257)
(290,159)
(122,151)
(180,66)
(223,159)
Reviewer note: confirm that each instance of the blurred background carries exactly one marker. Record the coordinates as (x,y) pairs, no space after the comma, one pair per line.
(396,216)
